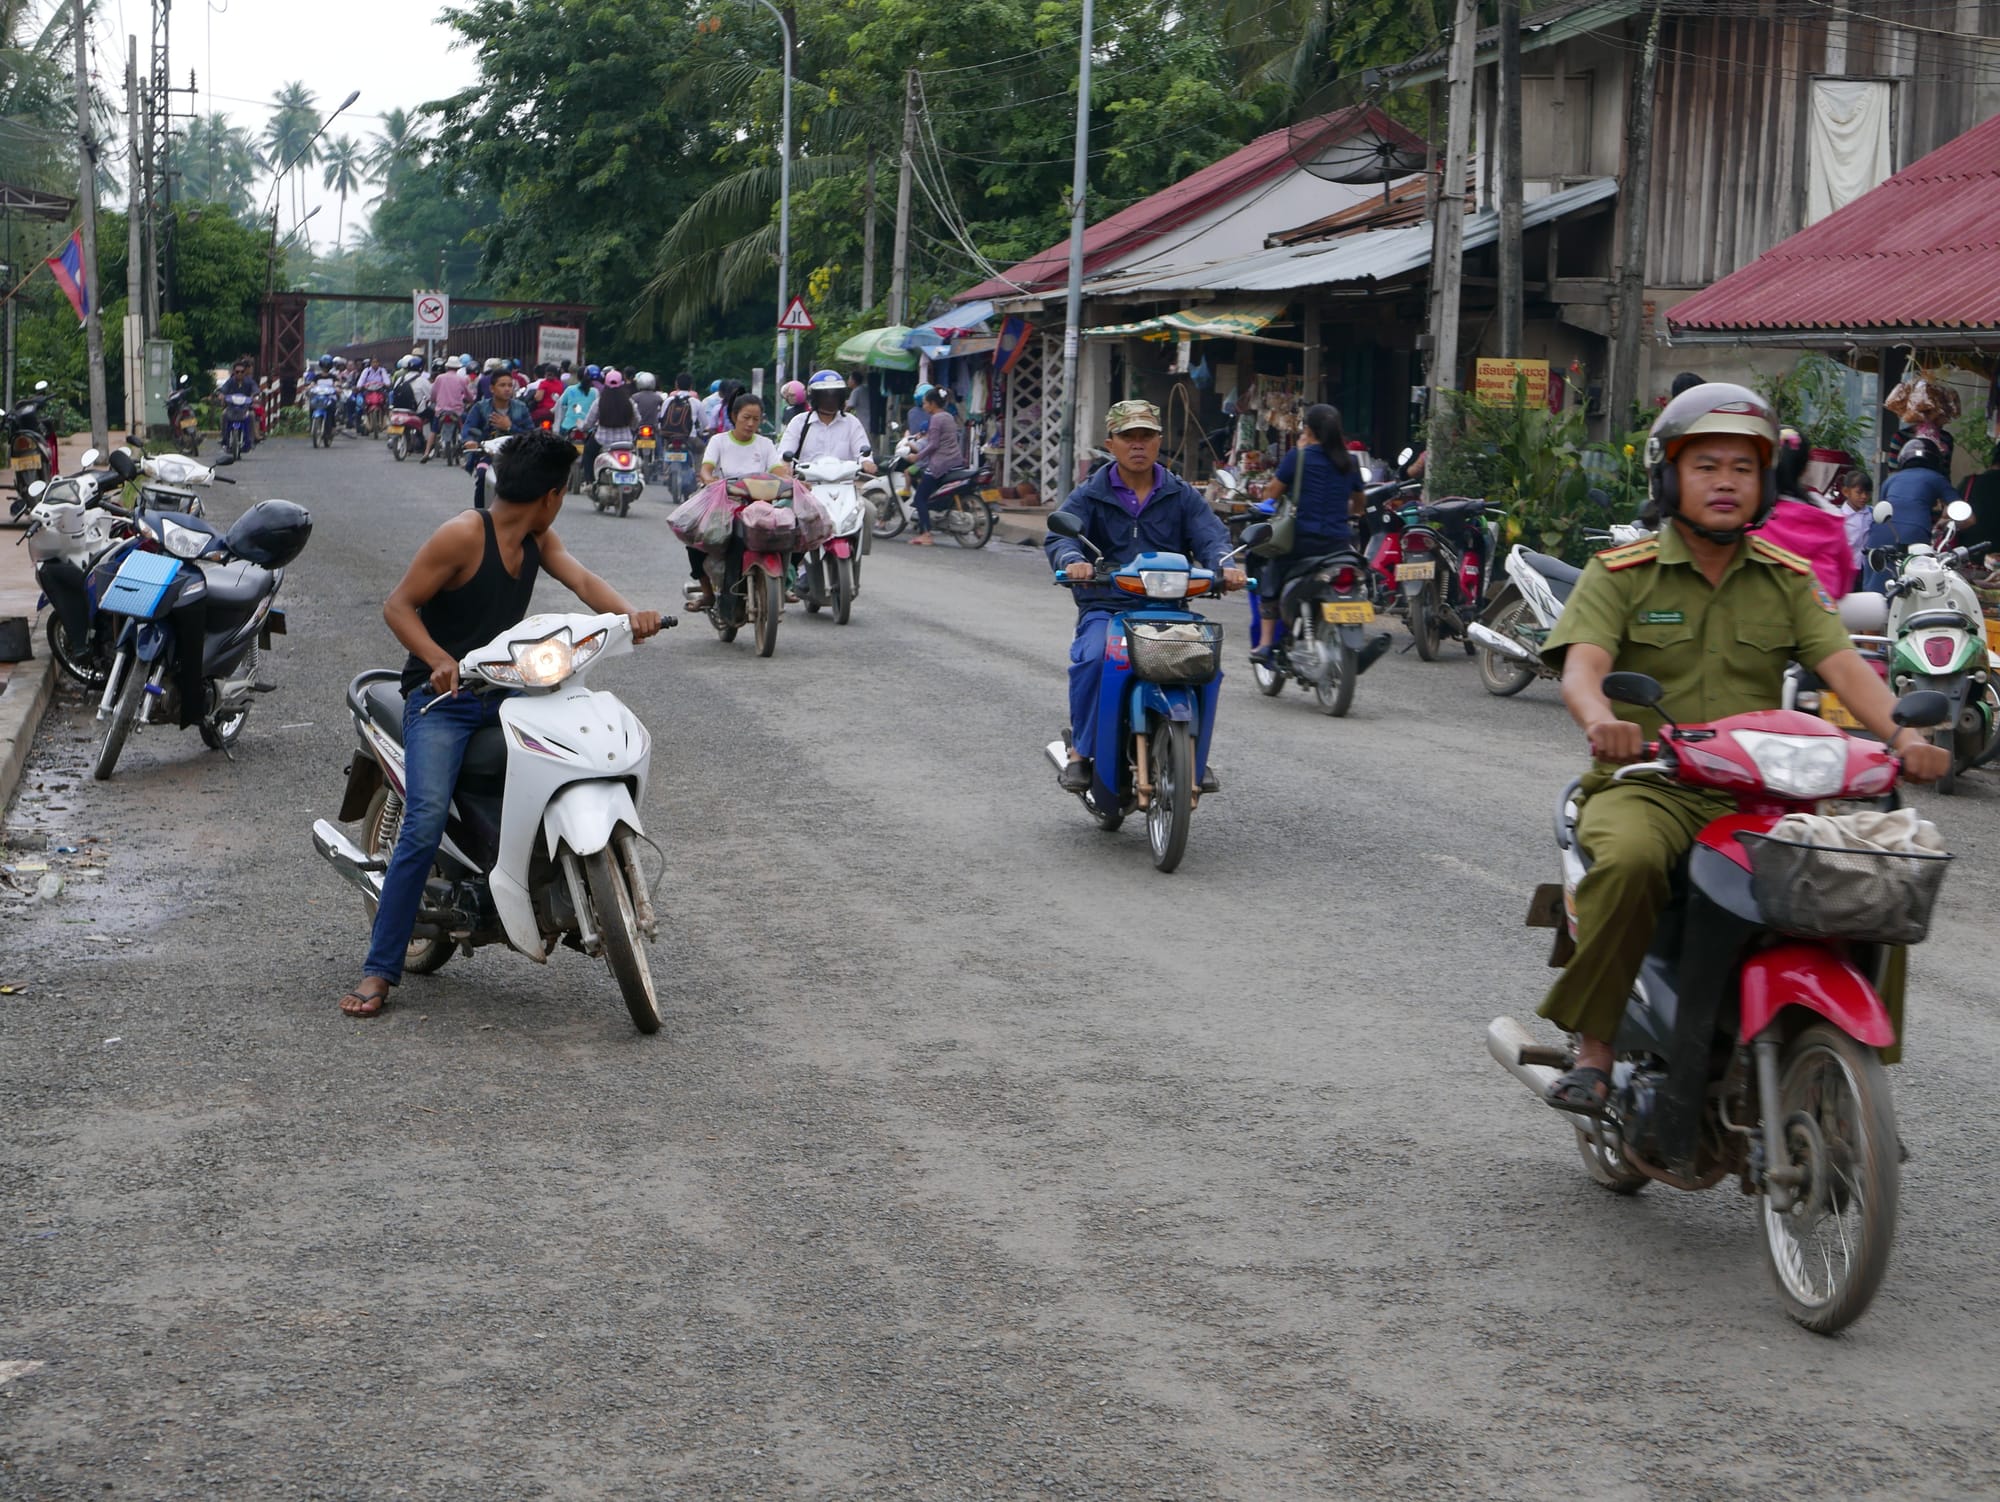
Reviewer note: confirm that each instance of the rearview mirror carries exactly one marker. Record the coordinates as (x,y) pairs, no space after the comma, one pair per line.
(1229,478)
(121,465)
(1883,511)
(41,385)
(1959,512)
(1406,456)
(35,490)
(90,458)
(1633,688)
(1922,708)
(1256,535)
(1064,525)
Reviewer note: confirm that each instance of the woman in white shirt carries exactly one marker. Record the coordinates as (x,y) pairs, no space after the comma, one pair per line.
(734,455)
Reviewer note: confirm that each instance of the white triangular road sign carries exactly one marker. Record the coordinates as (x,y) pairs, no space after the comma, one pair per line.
(796,318)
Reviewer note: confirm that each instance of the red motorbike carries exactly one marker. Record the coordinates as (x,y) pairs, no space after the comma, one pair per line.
(374,410)
(406,433)
(1751,1044)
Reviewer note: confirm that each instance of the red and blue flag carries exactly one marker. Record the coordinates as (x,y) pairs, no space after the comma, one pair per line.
(66,266)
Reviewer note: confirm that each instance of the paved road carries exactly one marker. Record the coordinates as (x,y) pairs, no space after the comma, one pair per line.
(976,1159)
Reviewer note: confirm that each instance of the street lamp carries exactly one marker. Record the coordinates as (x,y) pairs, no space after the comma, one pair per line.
(784,198)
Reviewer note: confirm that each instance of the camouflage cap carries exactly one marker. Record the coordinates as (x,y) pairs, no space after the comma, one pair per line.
(1125,416)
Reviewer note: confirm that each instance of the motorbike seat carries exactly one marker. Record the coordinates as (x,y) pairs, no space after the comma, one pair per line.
(485,764)
(1562,576)
(240,583)
(1452,510)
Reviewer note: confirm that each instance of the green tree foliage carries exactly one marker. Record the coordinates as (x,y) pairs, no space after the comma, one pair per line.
(346,170)
(220,265)
(288,138)
(37,96)
(218,163)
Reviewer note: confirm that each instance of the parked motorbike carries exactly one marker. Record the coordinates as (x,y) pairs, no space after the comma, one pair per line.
(238,423)
(1445,549)
(196,616)
(182,418)
(542,844)
(406,433)
(1517,620)
(1324,644)
(830,576)
(1157,701)
(615,481)
(31,445)
(1750,1043)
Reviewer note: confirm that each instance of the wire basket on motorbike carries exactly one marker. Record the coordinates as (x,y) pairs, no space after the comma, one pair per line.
(1187,652)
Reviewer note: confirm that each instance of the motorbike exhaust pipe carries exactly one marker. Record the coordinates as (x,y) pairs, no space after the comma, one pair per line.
(1512,1047)
(348,858)
(1493,641)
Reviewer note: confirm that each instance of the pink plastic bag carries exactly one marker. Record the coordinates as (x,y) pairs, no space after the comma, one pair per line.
(703,520)
(769,529)
(815,521)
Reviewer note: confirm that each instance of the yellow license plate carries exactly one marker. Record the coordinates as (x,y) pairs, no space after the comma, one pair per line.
(1415,570)
(645,445)
(1831,709)
(1347,612)
(28,461)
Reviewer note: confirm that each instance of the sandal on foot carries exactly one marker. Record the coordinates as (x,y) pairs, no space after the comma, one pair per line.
(1581,1092)
(381,1004)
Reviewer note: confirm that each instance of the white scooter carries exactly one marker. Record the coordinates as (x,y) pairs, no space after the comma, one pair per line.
(831,575)
(615,479)
(1511,629)
(542,844)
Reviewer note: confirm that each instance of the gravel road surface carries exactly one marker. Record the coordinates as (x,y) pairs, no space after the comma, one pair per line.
(976,1159)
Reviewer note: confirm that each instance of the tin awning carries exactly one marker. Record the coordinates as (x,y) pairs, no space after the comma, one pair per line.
(1219,321)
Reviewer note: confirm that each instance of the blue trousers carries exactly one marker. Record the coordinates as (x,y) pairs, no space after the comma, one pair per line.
(1086,682)
(433,750)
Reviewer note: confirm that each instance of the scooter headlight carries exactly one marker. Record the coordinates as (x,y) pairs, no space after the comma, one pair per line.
(545,663)
(182,542)
(1164,583)
(1798,766)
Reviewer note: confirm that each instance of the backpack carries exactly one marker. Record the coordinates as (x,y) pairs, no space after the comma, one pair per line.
(403,397)
(677,423)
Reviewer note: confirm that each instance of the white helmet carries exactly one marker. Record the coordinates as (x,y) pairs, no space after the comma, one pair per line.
(494,365)
(644,380)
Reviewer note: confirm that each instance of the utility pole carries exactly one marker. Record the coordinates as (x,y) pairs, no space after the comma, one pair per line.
(1621,383)
(135,314)
(868,233)
(899,254)
(86,155)
(159,146)
(1509,162)
(152,213)
(1073,303)
(1448,256)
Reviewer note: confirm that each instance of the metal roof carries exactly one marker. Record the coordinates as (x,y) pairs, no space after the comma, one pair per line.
(1539,28)
(1371,256)
(1920,254)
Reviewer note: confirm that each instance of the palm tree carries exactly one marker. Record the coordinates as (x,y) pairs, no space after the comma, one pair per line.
(346,170)
(37,97)
(397,147)
(288,136)
(218,163)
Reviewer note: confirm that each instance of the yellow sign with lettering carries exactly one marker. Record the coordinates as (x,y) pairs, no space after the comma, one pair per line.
(1493,381)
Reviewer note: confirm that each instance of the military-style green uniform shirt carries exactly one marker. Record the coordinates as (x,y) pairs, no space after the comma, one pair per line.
(1717,649)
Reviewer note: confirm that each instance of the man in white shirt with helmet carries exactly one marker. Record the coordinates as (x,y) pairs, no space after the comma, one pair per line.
(826,430)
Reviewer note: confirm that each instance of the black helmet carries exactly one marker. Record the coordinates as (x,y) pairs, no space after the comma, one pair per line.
(1920,453)
(270,534)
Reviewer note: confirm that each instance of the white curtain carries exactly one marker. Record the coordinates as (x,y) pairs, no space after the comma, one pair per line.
(1847,142)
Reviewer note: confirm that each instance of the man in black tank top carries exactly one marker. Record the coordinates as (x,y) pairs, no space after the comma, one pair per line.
(468,583)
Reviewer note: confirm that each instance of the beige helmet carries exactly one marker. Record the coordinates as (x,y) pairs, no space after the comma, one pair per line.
(1713,407)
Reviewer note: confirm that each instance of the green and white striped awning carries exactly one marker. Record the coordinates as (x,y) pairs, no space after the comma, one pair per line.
(1233,321)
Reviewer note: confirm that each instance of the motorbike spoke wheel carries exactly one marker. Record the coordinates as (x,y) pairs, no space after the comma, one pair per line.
(1172,808)
(131,694)
(1424,625)
(893,518)
(1604,1160)
(1333,665)
(379,828)
(91,667)
(975,528)
(767,593)
(1270,681)
(843,590)
(618,927)
(398,447)
(1828,1253)
(1503,676)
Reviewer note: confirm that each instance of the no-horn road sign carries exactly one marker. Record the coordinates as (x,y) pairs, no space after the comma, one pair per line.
(431,315)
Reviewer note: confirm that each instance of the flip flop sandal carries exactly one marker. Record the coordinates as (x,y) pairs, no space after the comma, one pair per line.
(381,1004)
(1581,1092)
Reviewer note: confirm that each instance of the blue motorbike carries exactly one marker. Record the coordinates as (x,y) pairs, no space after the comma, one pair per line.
(239,423)
(1157,698)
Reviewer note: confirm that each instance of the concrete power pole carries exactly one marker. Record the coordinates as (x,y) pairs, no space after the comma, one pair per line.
(899,255)
(1073,301)
(135,315)
(1448,259)
(1509,156)
(1621,384)
(868,233)
(86,155)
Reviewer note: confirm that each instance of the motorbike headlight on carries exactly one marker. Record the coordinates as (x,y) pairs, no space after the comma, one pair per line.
(1164,583)
(182,542)
(586,649)
(1798,766)
(544,663)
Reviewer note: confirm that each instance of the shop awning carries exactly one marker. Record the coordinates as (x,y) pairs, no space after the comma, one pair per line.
(1221,321)
(883,348)
(966,318)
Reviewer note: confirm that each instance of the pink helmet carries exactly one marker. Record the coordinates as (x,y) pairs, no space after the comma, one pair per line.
(795,392)
(613,378)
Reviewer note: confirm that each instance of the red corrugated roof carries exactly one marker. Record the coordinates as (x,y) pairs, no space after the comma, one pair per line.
(1922,250)
(1247,168)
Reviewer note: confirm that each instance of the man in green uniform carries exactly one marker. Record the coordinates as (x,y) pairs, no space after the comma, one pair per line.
(1715,614)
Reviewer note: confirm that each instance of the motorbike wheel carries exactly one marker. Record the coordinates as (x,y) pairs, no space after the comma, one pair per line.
(131,694)
(812,586)
(1945,738)
(1503,676)
(618,926)
(843,590)
(1991,701)
(1333,666)
(1270,682)
(220,735)
(1425,626)
(624,500)
(399,446)
(1606,1166)
(379,827)
(979,523)
(893,518)
(1829,1252)
(232,441)
(1172,807)
(91,667)
(189,444)
(767,598)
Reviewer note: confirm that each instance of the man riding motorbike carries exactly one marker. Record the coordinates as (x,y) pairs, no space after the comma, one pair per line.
(502,412)
(1715,614)
(1134,506)
(468,583)
(826,429)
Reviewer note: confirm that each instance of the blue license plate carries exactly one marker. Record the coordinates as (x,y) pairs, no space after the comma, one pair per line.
(625,477)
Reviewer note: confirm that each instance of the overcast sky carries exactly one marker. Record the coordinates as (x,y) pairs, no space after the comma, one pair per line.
(242,51)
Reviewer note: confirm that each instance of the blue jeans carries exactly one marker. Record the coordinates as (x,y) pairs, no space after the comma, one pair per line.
(921,498)
(433,749)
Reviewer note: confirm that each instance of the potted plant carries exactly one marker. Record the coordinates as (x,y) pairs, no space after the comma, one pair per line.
(1812,397)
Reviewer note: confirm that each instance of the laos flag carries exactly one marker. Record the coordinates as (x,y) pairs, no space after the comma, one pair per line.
(66,266)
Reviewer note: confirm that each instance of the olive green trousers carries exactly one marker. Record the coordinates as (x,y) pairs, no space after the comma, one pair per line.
(1636,833)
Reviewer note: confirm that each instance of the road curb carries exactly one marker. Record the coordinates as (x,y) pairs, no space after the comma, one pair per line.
(1021,527)
(30,686)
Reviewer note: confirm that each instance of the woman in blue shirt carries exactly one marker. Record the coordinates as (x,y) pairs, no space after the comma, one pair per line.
(1329,480)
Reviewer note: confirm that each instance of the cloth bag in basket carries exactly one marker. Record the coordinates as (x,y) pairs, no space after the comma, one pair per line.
(770,529)
(703,519)
(1854,897)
